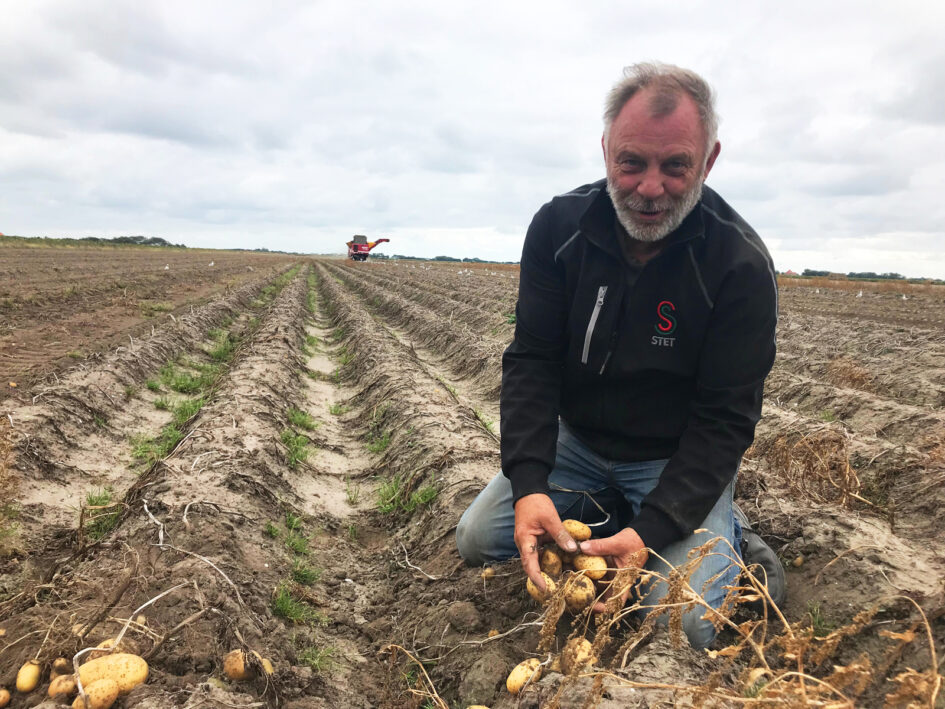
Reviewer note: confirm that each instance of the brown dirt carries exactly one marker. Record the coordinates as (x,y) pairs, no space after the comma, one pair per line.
(397,367)
(60,305)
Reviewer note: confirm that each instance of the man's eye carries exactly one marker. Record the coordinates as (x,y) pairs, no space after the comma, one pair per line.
(631,165)
(675,166)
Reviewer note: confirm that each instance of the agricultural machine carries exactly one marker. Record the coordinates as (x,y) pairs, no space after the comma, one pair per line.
(359,247)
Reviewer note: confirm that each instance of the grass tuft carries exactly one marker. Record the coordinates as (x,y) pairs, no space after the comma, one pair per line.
(302,420)
(297,446)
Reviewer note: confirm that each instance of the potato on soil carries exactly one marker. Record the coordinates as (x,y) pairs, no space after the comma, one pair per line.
(63,685)
(108,645)
(536,592)
(579,593)
(525,671)
(60,666)
(577,654)
(579,531)
(594,567)
(4,697)
(127,670)
(550,562)
(28,677)
(101,694)
(237,668)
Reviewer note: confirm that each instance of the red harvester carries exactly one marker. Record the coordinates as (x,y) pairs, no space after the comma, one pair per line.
(359,247)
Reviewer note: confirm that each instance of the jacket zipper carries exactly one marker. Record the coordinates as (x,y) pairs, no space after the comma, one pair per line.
(601,292)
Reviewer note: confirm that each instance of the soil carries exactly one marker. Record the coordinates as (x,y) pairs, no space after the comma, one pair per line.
(305,508)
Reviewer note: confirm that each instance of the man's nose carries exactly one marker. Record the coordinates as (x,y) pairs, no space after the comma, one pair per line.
(651,186)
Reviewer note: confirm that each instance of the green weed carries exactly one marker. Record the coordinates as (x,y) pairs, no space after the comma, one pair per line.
(153,385)
(319,659)
(302,419)
(186,410)
(162,403)
(293,522)
(379,443)
(287,606)
(271,530)
(297,447)
(352,492)
(304,574)
(337,409)
(103,515)
(818,622)
(487,423)
(296,543)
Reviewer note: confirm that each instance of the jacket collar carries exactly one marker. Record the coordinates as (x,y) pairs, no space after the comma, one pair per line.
(597,224)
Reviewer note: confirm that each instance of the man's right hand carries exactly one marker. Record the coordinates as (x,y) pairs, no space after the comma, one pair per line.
(537,521)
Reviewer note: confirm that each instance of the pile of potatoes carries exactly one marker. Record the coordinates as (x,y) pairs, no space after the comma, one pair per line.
(103,678)
(577,572)
(580,571)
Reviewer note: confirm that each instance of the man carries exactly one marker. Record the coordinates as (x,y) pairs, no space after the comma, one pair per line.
(646,322)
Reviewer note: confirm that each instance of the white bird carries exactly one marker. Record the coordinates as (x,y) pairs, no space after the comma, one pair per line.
(904,297)
(817,290)
(860,294)
(167,267)
(211,263)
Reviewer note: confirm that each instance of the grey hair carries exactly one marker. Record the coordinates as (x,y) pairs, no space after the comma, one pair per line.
(669,81)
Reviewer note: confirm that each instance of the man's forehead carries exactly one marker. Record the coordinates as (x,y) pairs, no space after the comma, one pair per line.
(652,115)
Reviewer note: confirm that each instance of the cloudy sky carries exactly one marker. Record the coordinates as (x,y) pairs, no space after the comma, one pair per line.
(445,125)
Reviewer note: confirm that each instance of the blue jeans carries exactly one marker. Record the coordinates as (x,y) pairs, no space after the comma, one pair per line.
(485,531)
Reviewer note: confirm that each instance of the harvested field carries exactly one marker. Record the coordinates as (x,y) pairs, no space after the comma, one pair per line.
(281,467)
(61,304)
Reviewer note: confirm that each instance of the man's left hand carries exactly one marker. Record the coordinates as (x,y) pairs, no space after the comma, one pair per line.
(625,549)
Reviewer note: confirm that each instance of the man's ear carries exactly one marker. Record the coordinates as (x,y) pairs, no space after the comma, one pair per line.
(712,156)
(603,145)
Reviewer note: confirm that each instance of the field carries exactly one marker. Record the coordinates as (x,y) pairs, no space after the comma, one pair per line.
(280,467)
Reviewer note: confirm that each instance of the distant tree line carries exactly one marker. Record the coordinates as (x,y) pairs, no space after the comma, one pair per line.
(139,240)
(860,275)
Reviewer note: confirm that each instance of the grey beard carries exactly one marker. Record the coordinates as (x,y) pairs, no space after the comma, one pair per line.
(676,210)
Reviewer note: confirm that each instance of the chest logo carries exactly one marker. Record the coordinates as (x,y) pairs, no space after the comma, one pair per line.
(665,325)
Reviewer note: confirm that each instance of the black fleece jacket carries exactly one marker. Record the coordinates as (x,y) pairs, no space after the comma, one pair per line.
(673,367)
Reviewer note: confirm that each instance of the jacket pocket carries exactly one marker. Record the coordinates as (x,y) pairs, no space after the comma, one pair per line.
(592,323)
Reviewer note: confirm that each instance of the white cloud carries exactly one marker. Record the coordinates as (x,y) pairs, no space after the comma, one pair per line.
(446,125)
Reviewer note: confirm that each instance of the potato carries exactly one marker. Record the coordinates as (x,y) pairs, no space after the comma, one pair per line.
(267,666)
(594,567)
(577,654)
(4,697)
(579,531)
(28,677)
(63,684)
(60,666)
(550,562)
(487,573)
(127,670)
(536,592)
(579,593)
(126,645)
(101,694)
(527,671)
(235,666)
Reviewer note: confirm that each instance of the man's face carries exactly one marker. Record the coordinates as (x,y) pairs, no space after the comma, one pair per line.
(656,165)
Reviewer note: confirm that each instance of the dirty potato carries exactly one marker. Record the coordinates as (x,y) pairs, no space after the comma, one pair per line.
(537,593)
(579,594)
(578,653)
(550,562)
(526,671)
(28,677)
(594,567)
(127,670)
(63,685)
(101,694)
(579,531)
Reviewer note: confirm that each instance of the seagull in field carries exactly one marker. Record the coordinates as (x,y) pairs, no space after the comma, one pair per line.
(167,267)
(817,290)
(860,294)
(211,264)
(904,297)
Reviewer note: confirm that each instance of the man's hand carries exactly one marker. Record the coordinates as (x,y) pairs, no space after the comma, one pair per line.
(625,549)
(536,521)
